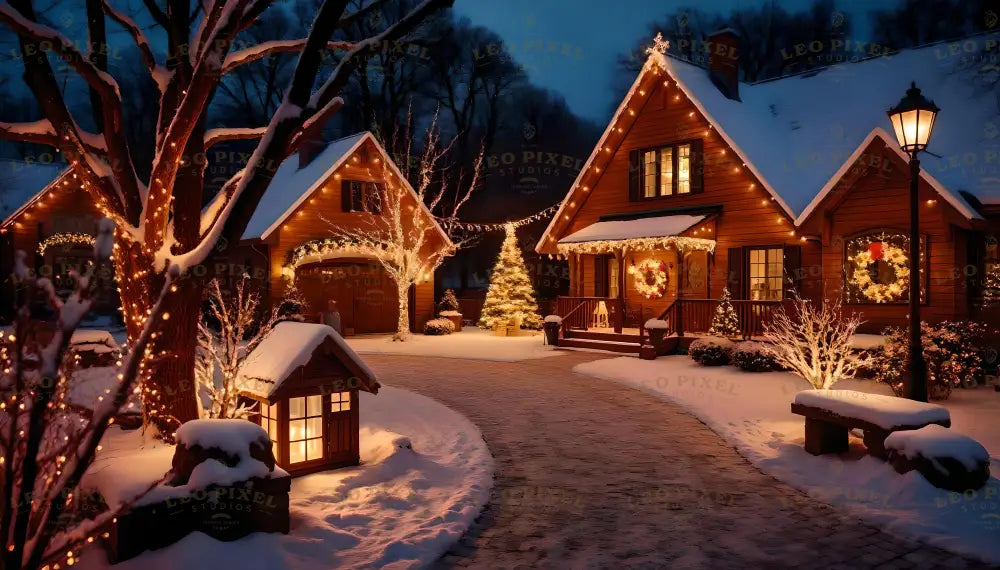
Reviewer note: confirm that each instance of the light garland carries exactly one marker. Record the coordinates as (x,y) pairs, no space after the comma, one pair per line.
(682,243)
(493,227)
(320,250)
(65,239)
(881,292)
(650,278)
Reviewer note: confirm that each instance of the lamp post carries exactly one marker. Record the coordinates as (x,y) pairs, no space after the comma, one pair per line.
(913,120)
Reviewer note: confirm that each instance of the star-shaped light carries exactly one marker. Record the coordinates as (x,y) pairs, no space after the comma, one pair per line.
(660,45)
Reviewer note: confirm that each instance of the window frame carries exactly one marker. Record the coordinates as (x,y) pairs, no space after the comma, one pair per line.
(748,270)
(365,197)
(323,404)
(675,170)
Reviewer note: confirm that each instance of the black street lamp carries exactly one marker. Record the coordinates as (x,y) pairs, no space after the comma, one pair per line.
(913,120)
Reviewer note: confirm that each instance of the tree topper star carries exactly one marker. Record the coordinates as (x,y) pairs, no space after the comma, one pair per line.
(660,45)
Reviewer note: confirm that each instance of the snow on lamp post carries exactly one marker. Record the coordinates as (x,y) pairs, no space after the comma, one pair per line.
(913,120)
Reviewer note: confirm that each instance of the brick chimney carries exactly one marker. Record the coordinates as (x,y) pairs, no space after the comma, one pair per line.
(724,62)
(312,145)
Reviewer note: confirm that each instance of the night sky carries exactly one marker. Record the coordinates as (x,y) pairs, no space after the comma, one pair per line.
(570,46)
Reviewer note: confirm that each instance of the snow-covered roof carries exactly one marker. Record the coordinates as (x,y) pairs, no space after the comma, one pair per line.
(291,185)
(290,345)
(659,226)
(798,131)
(21,183)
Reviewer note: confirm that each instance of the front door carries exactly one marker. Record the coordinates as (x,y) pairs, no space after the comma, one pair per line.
(342,426)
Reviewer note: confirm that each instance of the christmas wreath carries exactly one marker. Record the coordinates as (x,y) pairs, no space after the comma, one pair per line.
(650,278)
(862,279)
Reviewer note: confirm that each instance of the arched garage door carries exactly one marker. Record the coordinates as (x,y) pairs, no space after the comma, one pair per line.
(365,294)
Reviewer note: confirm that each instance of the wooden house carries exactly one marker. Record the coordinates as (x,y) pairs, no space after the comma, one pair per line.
(339,185)
(701,182)
(305,381)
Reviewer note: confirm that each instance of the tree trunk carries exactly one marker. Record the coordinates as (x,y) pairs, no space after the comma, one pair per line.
(403,324)
(167,382)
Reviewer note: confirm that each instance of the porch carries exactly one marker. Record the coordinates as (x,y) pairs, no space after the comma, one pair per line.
(618,325)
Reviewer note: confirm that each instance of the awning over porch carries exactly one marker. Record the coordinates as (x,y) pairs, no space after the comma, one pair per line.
(636,235)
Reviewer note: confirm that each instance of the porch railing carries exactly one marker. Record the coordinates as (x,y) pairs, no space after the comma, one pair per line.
(695,315)
(579,312)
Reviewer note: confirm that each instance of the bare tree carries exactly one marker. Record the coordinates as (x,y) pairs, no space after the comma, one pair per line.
(404,237)
(46,448)
(161,225)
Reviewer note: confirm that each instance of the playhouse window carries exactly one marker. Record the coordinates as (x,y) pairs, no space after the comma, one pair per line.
(305,429)
(340,402)
(269,421)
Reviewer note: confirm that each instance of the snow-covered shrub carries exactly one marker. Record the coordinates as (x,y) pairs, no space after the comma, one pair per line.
(656,324)
(815,343)
(439,327)
(711,351)
(754,357)
(951,350)
(448,303)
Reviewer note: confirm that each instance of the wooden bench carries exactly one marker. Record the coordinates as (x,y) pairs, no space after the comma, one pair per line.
(831,413)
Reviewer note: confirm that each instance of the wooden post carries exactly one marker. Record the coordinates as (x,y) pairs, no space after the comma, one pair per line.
(620,320)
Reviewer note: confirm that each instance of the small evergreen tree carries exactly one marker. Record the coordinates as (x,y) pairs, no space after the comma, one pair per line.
(725,322)
(511,294)
(448,302)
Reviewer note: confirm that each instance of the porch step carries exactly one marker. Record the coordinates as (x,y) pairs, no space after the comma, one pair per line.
(611,346)
(610,337)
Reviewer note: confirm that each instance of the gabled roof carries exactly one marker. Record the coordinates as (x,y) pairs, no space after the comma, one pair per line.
(291,345)
(955,199)
(798,131)
(291,186)
(22,184)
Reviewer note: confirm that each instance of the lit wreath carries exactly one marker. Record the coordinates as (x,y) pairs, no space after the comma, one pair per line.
(650,278)
(881,292)
(64,239)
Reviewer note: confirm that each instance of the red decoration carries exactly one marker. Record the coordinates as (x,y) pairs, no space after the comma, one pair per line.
(875,249)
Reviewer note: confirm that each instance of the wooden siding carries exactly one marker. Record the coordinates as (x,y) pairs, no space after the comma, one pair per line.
(874,196)
(315,219)
(748,217)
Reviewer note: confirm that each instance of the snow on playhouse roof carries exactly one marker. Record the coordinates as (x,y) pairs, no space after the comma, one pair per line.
(291,185)
(291,345)
(798,131)
(22,184)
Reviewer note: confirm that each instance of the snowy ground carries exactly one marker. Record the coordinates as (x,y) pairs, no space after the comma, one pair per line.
(470,342)
(402,508)
(751,411)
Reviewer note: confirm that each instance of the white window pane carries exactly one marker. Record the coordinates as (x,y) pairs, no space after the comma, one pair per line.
(296,430)
(272,430)
(666,171)
(683,169)
(314,406)
(314,427)
(297,452)
(345,405)
(296,408)
(344,396)
(272,412)
(314,448)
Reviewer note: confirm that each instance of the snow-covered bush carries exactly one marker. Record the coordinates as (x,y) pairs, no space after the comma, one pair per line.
(952,352)
(815,343)
(754,357)
(656,324)
(439,327)
(448,303)
(711,351)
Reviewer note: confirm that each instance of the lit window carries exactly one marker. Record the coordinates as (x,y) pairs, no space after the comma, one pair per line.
(766,269)
(340,402)
(269,421)
(305,429)
(649,174)
(684,169)
(666,171)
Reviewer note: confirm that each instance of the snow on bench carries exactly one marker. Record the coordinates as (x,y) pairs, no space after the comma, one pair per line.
(829,414)
(887,412)
(946,458)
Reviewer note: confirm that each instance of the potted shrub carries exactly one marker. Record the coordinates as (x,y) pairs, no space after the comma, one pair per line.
(448,309)
(551,326)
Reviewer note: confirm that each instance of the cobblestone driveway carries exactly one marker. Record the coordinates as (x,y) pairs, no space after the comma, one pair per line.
(594,475)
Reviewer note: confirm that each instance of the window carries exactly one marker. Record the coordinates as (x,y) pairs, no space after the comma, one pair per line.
(765,271)
(613,277)
(269,421)
(876,268)
(991,272)
(340,402)
(362,196)
(666,171)
(305,429)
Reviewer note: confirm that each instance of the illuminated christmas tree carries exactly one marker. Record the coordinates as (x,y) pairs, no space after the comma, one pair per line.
(510,295)
(725,322)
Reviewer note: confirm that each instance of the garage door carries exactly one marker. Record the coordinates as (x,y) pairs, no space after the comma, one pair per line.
(365,295)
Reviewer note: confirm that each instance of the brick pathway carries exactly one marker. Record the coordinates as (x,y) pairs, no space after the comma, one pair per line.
(594,475)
